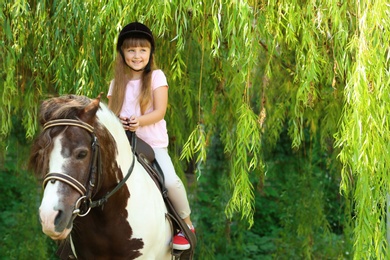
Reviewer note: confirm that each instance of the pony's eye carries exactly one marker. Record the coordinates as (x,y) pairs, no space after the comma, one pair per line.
(81,155)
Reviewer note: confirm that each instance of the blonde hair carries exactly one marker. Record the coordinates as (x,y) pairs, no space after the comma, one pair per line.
(122,75)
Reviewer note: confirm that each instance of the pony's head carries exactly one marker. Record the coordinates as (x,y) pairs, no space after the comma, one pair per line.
(66,157)
(64,107)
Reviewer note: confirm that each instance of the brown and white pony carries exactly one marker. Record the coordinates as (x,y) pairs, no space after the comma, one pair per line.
(96,194)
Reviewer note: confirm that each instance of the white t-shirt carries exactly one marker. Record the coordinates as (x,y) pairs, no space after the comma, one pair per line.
(156,135)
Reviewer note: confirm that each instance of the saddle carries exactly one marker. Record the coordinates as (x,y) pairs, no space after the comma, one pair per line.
(146,157)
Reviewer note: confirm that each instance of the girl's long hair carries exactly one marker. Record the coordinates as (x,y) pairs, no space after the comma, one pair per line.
(122,75)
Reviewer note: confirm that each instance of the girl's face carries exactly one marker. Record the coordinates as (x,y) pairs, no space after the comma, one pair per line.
(137,57)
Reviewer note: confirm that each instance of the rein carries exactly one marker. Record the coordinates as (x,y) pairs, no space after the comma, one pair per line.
(95,173)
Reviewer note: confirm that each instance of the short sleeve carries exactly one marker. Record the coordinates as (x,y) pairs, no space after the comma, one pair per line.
(158,79)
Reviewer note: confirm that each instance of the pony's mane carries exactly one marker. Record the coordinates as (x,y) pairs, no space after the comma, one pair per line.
(63,107)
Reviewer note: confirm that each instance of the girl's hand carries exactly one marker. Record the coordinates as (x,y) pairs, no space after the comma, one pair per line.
(125,122)
(133,123)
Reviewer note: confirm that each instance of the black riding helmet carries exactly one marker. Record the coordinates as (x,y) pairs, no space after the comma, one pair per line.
(136,30)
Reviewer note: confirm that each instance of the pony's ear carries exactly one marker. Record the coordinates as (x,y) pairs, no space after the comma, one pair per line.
(88,113)
(100,95)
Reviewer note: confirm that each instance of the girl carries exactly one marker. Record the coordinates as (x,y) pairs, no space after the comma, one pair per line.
(139,95)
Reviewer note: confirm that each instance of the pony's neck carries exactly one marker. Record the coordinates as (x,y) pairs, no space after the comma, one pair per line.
(108,119)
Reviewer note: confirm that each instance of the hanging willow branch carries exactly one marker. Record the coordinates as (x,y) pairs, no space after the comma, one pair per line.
(364,130)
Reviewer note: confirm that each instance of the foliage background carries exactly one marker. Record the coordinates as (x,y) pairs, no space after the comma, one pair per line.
(278,109)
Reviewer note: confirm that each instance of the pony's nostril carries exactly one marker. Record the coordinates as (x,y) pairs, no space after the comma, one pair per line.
(58,218)
(61,221)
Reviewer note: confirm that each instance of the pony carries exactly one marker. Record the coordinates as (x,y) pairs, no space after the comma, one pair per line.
(96,194)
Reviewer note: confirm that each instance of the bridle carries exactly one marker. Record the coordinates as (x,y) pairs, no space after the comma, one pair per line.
(84,204)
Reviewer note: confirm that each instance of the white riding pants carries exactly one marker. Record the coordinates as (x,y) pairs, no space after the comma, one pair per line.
(176,191)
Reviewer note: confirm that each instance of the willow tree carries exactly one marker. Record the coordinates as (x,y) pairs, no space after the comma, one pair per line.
(238,70)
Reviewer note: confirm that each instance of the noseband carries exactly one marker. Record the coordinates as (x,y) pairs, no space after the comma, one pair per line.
(84,203)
